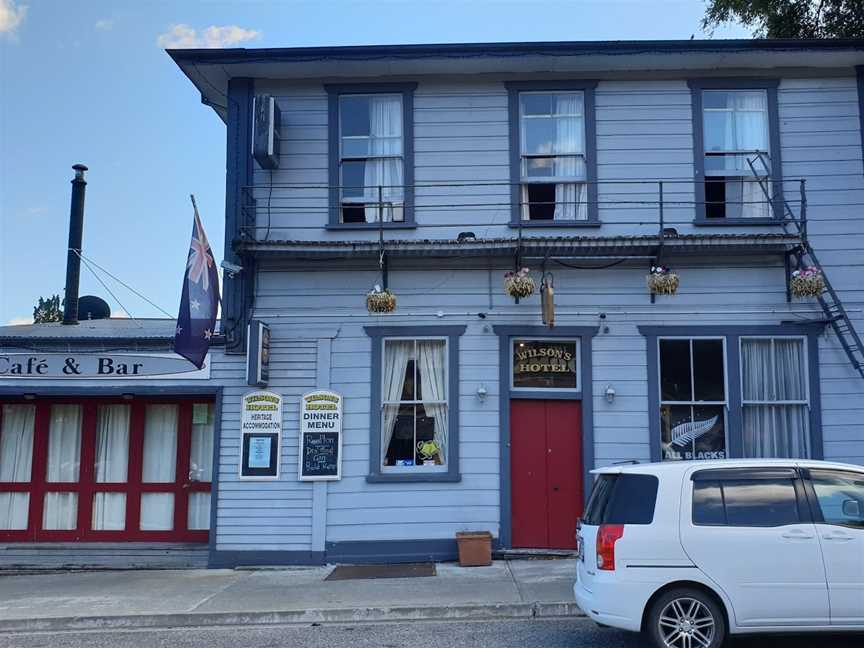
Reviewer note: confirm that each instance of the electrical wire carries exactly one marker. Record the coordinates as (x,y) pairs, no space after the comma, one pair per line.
(105,286)
(124,284)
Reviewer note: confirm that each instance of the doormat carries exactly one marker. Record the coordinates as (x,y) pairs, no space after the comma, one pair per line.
(358,572)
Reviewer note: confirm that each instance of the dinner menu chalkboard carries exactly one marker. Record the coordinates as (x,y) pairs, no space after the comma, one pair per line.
(320,456)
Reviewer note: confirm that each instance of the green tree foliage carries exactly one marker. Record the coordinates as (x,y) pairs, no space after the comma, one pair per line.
(789,18)
(48,310)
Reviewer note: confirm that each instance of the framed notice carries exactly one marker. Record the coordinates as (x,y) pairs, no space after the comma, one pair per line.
(260,435)
(320,455)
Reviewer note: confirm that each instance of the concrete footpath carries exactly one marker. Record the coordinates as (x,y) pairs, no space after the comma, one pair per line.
(173,598)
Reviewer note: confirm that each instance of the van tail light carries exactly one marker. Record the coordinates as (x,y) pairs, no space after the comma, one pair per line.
(607,535)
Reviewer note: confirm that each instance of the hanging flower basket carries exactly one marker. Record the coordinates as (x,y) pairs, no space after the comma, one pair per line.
(519,285)
(807,282)
(380,301)
(662,281)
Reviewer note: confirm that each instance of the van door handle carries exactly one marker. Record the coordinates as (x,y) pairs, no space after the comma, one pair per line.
(837,537)
(797,534)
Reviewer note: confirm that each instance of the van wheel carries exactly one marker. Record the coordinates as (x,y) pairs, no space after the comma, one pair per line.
(686,618)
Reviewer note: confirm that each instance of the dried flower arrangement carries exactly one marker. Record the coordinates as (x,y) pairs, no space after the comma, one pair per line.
(380,301)
(662,281)
(807,282)
(519,284)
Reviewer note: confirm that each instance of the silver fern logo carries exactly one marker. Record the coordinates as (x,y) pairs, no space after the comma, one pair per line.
(686,433)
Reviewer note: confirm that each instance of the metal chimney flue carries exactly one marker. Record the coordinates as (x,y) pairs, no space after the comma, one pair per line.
(76,233)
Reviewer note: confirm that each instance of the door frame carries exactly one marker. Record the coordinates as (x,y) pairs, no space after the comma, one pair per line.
(505,336)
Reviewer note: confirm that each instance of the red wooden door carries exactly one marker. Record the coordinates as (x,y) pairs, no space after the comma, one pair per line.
(546,472)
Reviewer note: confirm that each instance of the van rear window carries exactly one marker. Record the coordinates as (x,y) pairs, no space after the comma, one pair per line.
(626,498)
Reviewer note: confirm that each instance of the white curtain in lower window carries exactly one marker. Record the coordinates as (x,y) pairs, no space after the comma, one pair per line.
(201,453)
(776,431)
(160,444)
(14,509)
(432,365)
(199,511)
(109,511)
(112,444)
(64,443)
(60,511)
(754,203)
(397,353)
(385,139)
(157,511)
(16,443)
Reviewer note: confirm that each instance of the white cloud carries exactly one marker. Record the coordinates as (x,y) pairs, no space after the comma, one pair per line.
(15,321)
(185,37)
(106,24)
(11,16)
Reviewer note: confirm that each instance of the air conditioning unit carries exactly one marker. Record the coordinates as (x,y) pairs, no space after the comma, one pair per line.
(265,131)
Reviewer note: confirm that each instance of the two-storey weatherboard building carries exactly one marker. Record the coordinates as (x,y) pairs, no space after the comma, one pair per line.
(434,170)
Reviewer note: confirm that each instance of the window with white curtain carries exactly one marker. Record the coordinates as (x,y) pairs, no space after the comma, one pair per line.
(736,135)
(60,508)
(414,408)
(17,424)
(775,397)
(112,466)
(159,466)
(371,158)
(552,156)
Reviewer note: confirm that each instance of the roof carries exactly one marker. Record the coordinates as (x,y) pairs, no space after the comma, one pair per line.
(112,329)
(210,69)
(561,246)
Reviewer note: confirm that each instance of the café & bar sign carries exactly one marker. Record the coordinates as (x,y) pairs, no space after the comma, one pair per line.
(99,365)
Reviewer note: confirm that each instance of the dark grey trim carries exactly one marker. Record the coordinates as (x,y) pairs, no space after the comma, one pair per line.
(513,90)
(392,551)
(736,83)
(214,479)
(733,335)
(378,333)
(333,92)
(101,391)
(229,559)
(859,72)
(505,334)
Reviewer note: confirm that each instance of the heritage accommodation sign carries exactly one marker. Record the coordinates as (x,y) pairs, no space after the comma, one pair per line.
(545,364)
(260,435)
(98,365)
(320,456)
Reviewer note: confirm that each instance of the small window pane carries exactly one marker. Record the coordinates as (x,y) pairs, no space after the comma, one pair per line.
(708,504)
(760,503)
(112,444)
(14,511)
(545,364)
(157,511)
(718,131)
(595,510)
(431,370)
(536,103)
(540,200)
(776,431)
(160,444)
(790,369)
(708,371)
(633,500)
(60,511)
(109,511)
(840,496)
(675,370)
(399,444)
(16,444)
(64,443)
(353,179)
(201,454)
(354,115)
(356,147)
(693,432)
(538,136)
(199,512)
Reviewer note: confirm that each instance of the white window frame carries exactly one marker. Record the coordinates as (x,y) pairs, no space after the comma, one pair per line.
(730,173)
(443,468)
(343,200)
(563,390)
(695,403)
(772,338)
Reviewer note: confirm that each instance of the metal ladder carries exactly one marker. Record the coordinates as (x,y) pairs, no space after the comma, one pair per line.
(830,302)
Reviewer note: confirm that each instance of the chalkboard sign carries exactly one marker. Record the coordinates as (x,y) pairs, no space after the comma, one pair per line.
(320,456)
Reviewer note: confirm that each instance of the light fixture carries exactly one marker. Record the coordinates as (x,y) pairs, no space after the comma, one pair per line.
(29,396)
(610,394)
(482,393)
(128,396)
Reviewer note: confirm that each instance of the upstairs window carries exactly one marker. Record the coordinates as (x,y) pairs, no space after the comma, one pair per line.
(553,170)
(371,158)
(737,153)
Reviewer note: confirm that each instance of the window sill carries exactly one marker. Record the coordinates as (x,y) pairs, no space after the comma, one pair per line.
(737,222)
(369,226)
(564,224)
(383,478)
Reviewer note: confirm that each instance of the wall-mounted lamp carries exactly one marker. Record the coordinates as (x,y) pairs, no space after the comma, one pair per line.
(610,394)
(482,393)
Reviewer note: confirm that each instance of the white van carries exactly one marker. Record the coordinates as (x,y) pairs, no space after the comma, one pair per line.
(689,552)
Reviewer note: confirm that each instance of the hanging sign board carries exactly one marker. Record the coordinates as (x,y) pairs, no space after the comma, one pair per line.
(260,435)
(320,456)
(258,354)
(85,366)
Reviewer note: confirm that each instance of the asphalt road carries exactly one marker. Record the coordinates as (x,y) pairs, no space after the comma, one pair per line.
(569,633)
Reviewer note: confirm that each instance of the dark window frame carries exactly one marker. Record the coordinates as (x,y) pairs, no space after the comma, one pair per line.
(377,335)
(334,92)
(813,499)
(587,87)
(697,87)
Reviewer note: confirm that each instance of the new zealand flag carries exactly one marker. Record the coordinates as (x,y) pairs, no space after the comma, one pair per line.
(196,320)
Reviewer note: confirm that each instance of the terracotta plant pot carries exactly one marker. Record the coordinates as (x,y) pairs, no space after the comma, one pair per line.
(811,285)
(662,284)
(475,548)
(381,302)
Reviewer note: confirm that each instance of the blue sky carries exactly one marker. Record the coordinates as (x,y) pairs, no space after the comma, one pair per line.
(89,82)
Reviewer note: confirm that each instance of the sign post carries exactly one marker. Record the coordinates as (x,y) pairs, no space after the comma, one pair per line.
(260,435)
(320,456)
